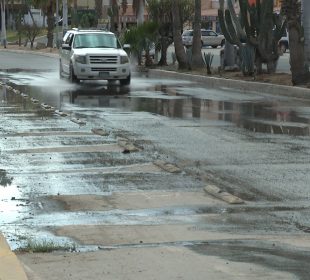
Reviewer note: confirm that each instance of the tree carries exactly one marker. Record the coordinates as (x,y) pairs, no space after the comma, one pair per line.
(138,7)
(48,7)
(197,60)
(140,39)
(124,6)
(177,39)
(98,9)
(160,11)
(74,15)
(31,32)
(306,27)
(300,72)
(50,22)
(113,14)
(3,27)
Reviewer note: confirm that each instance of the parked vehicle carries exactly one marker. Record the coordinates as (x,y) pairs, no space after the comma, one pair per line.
(208,38)
(283,43)
(93,55)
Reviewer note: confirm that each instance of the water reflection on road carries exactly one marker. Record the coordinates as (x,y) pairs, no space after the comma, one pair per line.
(173,99)
(187,101)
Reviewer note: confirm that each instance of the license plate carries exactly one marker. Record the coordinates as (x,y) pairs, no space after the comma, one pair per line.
(104,74)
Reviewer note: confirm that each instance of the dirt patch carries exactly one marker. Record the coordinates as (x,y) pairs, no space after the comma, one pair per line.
(130,201)
(142,263)
(276,78)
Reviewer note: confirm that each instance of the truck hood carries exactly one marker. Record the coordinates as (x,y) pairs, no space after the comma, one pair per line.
(99,51)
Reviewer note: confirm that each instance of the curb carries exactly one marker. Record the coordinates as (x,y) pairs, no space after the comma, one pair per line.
(213,82)
(10,267)
(243,86)
(54,55)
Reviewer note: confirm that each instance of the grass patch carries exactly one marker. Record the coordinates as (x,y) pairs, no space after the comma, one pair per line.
(46,246)
(12,36)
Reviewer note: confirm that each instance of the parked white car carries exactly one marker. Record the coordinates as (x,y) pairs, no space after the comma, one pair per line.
(283,43)
(93,55)
(208,38)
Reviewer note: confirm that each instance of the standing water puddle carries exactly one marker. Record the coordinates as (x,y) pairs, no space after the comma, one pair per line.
(175,99)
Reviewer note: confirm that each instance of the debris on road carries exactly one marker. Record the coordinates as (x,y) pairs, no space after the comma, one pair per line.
(225,196)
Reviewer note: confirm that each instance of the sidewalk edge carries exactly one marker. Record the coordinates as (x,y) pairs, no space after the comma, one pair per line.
(243,86)
(10,266)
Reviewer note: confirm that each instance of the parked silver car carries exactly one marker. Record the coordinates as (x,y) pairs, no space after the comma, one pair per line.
(208,38)
(93,55)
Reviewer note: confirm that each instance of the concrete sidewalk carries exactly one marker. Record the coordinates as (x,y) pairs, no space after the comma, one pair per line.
(10,266)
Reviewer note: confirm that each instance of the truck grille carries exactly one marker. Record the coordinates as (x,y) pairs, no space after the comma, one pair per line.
(103,59)
(101,69)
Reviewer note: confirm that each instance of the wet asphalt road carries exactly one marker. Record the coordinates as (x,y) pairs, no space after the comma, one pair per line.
(254,146)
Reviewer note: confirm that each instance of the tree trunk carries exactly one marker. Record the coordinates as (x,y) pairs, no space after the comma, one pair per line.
(229,56)
(3,27)
(177,38)
(306,27)
(31,16)
(74,16)
(64,15)
(114,8)
(165,42)
(300,73)
(50,24)
(140,15)
(197,60)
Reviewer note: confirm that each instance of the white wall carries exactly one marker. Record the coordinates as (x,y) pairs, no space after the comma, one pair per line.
(38,18)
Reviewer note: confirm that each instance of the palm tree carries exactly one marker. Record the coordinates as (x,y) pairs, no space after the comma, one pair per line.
(300,72)
(176,25)
(197,60)
(138,7)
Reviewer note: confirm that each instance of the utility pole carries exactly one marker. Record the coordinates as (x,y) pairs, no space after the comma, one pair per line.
(3,27)
(57,25)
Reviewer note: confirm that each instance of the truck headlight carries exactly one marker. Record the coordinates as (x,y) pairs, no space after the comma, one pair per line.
(80,58)
(124,59)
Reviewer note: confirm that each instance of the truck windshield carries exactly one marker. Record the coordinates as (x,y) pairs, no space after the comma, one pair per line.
(95,40)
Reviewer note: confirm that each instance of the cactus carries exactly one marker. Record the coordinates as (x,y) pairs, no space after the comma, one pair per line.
(208,59)
(257,27)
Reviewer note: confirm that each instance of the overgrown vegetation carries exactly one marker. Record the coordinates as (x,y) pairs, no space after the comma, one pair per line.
(46,246)
(142,39)
(31,32)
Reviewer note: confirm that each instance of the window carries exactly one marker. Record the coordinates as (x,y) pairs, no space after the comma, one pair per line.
(95,40)
(68,38)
